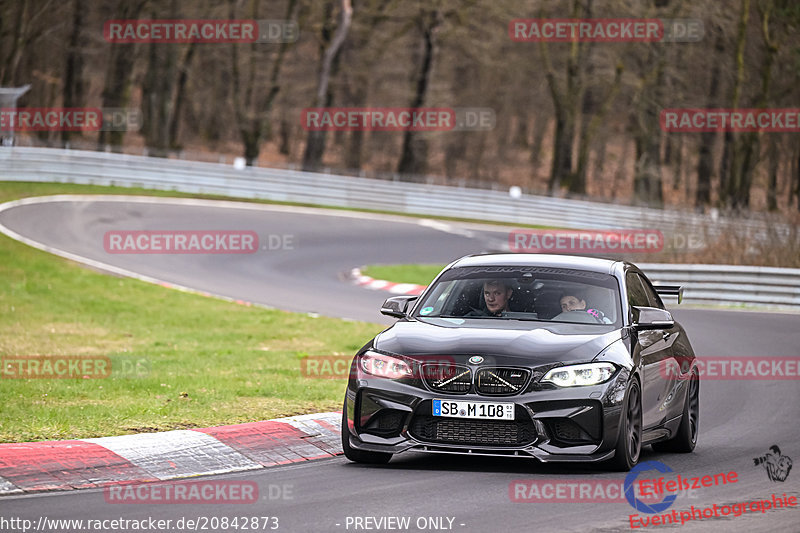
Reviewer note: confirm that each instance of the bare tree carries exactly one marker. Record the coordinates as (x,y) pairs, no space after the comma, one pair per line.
(119,71)
(315,145)
(74,84)
(705,159)
(414,154)
(566,101)
(252,102)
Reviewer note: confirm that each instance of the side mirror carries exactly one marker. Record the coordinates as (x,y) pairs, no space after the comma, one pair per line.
(397,306)
(645,318)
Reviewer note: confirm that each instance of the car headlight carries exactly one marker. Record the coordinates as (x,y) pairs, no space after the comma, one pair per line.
(385,366)
(579,375)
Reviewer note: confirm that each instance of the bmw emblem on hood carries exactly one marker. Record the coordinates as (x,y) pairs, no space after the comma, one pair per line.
(475,360)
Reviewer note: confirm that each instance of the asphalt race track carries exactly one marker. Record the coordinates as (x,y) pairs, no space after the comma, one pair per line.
(739,420)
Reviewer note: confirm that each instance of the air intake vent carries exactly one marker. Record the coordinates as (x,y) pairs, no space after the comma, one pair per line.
(479,432)
(454,379)
(500,381)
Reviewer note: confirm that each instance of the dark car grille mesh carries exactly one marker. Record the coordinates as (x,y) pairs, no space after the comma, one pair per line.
(470,431)
(386,421)
(500,380)
(567,430)
(478,432)
(448,378)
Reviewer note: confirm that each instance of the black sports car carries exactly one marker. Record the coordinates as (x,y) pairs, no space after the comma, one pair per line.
(560,358)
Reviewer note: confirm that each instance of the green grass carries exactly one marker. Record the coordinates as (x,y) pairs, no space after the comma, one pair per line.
(418,274)
(204,362)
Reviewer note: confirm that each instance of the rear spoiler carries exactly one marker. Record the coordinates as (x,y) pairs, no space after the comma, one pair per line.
(670,290)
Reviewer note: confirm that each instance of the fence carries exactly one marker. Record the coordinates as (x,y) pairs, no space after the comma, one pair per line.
(704,283)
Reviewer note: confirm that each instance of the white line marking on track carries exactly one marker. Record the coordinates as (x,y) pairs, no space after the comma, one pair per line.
(174,454)
(6,487)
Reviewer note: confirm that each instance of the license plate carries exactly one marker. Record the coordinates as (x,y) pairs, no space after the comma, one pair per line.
(461,409)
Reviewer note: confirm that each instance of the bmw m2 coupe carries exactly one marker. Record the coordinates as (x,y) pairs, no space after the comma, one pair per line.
(559,358)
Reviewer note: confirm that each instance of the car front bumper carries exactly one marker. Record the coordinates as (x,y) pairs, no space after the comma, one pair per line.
(575,424)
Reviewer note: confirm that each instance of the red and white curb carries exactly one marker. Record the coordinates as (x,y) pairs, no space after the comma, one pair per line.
(382,285)
(75,464)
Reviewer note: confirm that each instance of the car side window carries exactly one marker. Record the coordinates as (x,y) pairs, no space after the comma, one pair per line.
(636,293)
(652,295)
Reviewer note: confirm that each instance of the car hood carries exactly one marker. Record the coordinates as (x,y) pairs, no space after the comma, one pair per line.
(513,342)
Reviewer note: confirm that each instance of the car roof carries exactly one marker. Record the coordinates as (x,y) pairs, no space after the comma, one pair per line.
(577,262)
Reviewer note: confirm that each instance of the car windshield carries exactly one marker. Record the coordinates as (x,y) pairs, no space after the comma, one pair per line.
(524,293)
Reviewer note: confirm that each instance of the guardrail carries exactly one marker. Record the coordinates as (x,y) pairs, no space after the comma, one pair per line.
(717,284)
(731,285)
(102,168)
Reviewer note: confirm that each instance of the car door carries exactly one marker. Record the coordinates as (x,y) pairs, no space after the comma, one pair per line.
(670,404)
(654,349)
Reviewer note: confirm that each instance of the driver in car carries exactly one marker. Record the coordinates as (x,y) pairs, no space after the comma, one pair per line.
(496,293)
(576,302)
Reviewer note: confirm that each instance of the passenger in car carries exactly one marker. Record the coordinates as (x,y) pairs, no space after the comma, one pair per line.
(577,302)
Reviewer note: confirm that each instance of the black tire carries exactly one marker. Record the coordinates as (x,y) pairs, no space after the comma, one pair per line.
(360,456)
(629,440)
(685,439)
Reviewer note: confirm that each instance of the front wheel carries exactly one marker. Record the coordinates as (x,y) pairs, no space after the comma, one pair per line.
(685,439)
(629,440)
(359,456)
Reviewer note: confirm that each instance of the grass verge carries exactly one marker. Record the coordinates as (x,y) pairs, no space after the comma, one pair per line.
(417,274)
(200,361)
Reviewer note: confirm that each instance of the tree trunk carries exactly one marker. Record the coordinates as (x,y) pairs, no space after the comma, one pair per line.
(355,144)
(521,134)
(73,93)
(797,179)
(539,130)
(157,92)
(749,150)
(315,145)
(731,164)
(116,88)
(677,160)
(566,104)
(647,181)
(588,131)
(705,159)
(252,105)
(12,59)
(285,136)
(414,154)
(772,186)
(180,95)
